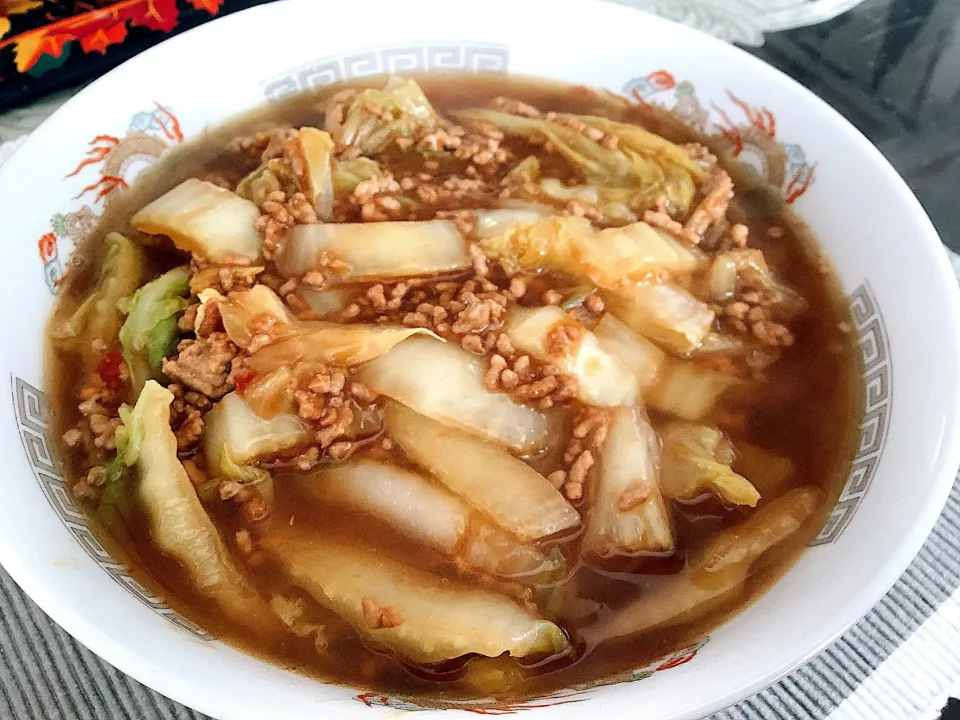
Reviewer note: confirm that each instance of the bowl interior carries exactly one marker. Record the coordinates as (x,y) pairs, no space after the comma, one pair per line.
(885,250)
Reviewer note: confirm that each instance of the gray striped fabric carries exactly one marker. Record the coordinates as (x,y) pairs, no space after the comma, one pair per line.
(819,686)
(46,675)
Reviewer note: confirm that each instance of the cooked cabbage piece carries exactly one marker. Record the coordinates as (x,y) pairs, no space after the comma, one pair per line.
(295,341)
(350,172)
(747,269)
(697,460)
(516,497)
(688,391)
(99,316)
(115,509)
(149,333)
(315,159)
(415,614)
(422,510)
(493,223)
(331,343)
(328,301)
(235,435)
(205,219)
(445,382)
(489,548)
(666,314)
(768,471)
(178,524)
(640,356)
(376,250)
(240,310)
(628,514)
(609,258)
(275,174)
(717,573)
(412,504)
(639,170)
(375,119)
(550,335)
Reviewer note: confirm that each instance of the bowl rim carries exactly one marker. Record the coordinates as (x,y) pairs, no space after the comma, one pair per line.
(155,674)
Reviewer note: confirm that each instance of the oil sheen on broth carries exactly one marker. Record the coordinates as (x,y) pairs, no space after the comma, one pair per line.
(766,411)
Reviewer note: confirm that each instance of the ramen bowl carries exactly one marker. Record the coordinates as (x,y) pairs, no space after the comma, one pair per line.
(903,296)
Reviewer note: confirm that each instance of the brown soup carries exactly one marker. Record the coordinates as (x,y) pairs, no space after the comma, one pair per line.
(636,407)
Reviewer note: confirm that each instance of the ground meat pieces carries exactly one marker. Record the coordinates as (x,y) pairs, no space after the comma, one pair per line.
(104,429)
(203,364)
(375,200)
(594,303)
(264,145)
(90,486)
(253,507)
(475,317)
(661,219)
(537,389)
(634,495)
(189,432)
(739,235)
(772,333)
(228,274)
(552,297)
(718,192)
(482,148)
(336,109)
(211,320)
(441,139)
(514,107)
(589,311)
(606,140)
(526,381)
(307,459)
(465,220)
(561,338)
(577,475)
(468,312)
(584,447)
(72,437)
(189,318)
(340,411)
(701,154)
(378,616)
(100,398)
(279,214)
(186,416)
(749,312)
(518,286)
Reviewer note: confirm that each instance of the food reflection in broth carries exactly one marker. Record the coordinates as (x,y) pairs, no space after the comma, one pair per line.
(494,392)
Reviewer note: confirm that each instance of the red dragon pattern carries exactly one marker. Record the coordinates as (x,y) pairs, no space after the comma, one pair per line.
(750,130)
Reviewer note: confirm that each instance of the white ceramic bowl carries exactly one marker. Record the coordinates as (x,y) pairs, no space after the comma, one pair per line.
(903,293)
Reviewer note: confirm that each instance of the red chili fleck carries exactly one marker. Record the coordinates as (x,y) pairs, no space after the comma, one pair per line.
(242,381)
(109,369)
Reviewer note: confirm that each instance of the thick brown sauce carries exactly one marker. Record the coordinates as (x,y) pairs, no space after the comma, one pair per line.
(807,411)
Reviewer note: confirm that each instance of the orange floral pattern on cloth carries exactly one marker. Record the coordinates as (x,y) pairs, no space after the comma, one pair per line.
(95,30)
